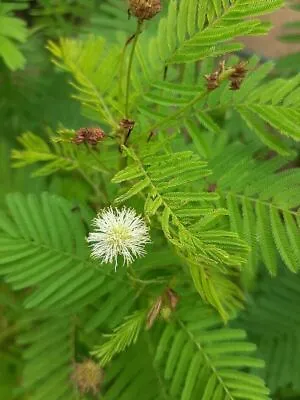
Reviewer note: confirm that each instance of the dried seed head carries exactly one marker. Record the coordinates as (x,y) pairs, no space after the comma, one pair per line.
(212,81)
(127,124)
(154,312)
(144,9)
(236,84)
(238,75)
(240,70)
(173,298)
(235,75)
(88,376)
(88,135)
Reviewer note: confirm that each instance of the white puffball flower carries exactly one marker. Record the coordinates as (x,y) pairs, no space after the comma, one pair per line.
(118,233)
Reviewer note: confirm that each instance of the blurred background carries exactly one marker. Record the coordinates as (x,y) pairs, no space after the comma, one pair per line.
(284,38)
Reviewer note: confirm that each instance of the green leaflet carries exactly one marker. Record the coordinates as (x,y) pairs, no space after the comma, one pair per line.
(122,337)
(13,32)
(272,321)
(188,40)
(188,360)
(135,189)
(200,359)
(48,355)
(44,248)
(60,155)
(95,80)
(250,189)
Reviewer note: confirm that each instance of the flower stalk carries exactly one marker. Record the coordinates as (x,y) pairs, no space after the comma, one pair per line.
(130,62)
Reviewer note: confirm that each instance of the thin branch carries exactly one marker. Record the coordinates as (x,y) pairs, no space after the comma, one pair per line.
(176,114)
(138,31)
(96,189)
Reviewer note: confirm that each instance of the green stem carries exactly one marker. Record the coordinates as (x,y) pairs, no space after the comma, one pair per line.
(128,41)
(91,183)
(160,123)
(138,31)
(132,275)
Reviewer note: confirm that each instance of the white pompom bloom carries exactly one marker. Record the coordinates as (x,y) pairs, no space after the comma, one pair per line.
(118,233)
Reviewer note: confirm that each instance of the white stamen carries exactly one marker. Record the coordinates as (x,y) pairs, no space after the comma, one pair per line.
(118,232)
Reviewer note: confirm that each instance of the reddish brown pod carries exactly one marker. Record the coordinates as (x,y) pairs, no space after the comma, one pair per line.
(89,135)
(144,9)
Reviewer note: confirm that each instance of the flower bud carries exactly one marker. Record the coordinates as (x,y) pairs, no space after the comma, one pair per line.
(166,312)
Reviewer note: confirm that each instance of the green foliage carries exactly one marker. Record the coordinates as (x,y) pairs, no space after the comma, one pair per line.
(192,357)
(266,107)
(62,18)
(122,337)
(273,323)
(185,217)
(49,353)
(194,31)
(261,196)
(289,63)
(49,247)
(95,76)
(61,154)
(13,32)
(112,19)
(213,171)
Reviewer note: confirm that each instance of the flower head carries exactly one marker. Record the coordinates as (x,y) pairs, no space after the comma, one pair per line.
(118,233)
(87,376)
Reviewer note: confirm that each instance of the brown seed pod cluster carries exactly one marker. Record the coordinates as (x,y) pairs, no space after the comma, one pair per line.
(213,79)
(88,376)
(235,75)
(144,9)
(238,75)
(126,126)
(88,135)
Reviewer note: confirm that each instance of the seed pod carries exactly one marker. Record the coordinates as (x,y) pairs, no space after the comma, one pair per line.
(88,135)
(240,70)
(88,376)
(236,84)
(144,9)
(238,75)
(154,312)
(212,81)
(173,298)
